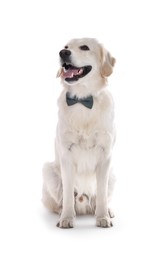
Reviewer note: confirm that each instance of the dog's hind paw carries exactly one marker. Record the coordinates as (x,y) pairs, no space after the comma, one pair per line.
(104,222)
(65,223)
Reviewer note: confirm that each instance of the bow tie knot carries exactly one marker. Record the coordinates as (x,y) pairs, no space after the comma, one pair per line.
(87,102)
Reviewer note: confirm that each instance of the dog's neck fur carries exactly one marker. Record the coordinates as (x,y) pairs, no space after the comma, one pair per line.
(84,90)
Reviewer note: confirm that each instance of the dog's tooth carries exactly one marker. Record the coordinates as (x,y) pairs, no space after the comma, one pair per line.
(80,71)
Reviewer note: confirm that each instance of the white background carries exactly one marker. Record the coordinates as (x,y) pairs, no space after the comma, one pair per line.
(32,33)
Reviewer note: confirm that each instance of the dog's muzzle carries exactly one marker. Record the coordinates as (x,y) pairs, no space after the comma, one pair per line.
(70,72)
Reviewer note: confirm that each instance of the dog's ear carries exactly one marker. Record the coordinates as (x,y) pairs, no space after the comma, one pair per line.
(59,73)
(108,63)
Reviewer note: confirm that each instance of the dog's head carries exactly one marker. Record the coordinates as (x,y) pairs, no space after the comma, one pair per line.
(83,60)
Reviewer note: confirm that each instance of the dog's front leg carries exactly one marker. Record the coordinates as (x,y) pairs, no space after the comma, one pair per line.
(102,176)
(68,213)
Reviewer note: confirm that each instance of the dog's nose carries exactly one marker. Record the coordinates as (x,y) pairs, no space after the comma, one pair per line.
(64,54)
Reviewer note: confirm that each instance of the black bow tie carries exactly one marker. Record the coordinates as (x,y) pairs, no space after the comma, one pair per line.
(87,102)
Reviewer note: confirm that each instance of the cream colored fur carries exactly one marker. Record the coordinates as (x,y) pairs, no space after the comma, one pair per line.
(84,142)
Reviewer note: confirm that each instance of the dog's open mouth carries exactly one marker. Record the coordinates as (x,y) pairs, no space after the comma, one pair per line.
(72,73)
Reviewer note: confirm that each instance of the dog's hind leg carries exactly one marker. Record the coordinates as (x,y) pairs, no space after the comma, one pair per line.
(52,187)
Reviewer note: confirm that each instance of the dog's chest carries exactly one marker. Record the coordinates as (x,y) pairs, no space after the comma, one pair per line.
(87,150)
(86,130)
(86,133)
(85,140)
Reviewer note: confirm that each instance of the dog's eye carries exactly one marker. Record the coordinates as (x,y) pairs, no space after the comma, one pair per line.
(66,47)
(84,48)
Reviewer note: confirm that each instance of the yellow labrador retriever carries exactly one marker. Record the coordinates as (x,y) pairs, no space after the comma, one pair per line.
(80,181)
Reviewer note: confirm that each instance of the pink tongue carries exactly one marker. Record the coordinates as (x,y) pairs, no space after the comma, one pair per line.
(70,73)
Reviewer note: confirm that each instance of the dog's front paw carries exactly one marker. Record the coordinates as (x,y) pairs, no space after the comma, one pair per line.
(104,222)
(65,223)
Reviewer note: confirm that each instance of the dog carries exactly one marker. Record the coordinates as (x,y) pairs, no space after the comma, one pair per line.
(80,180)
